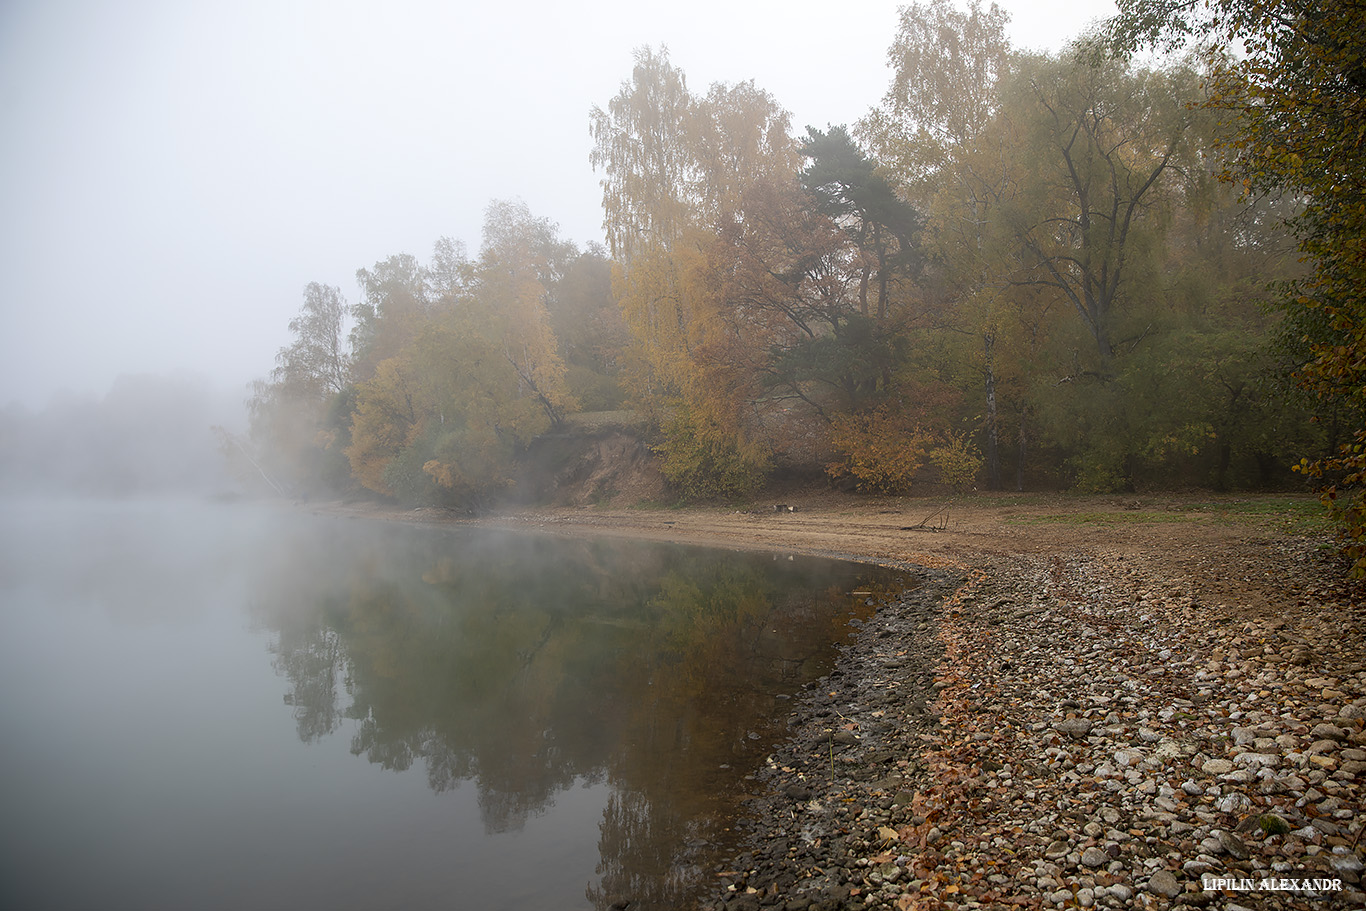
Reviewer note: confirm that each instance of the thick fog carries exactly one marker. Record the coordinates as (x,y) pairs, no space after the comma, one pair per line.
(174,174)
(149,435)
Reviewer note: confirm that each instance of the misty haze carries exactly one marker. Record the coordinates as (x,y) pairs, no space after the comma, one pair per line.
(228,706)
(626,457)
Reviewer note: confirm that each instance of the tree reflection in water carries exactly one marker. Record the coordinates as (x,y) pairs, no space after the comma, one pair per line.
(528,665)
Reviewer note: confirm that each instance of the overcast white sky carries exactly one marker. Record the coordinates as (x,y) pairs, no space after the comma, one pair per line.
(173,173)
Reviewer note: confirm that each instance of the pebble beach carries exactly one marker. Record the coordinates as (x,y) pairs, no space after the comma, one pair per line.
(1063,731)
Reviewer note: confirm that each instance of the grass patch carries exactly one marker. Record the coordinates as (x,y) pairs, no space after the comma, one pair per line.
(1136,517)
(1296,515)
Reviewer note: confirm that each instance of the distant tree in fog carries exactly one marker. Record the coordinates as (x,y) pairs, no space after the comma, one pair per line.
(317,360)
(299,421)
(149,434)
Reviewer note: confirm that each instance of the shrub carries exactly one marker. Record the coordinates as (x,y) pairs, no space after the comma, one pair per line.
(703,461)
(881,449)
(958,460)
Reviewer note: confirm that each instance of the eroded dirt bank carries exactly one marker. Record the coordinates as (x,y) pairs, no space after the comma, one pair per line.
(1090,704)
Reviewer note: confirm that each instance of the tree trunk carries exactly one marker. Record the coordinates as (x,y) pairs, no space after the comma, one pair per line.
(993,447)
(1020,461)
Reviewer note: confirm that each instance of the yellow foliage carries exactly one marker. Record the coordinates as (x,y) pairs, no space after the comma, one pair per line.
(655,311)
(385,423)
(882,450)
(958,460)
(442,473)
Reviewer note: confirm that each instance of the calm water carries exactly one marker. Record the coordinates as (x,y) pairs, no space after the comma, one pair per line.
(216,706)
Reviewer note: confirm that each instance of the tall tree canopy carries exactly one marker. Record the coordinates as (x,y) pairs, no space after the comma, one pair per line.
(1296,96)
(679,170)
(1011,247)
(1104,140)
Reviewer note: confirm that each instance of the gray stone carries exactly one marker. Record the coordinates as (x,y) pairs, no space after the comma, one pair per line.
(1234,845)
(1325,826)
(1074,727)
(1128,757)
(1233,803)
(1164,883)
(1257,760)
(1094,857)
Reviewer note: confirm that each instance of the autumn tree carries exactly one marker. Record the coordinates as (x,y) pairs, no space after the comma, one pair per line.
(450,276)
(677,169)
(442,422)
(395,300)
(1109,142)
(519,262)
(1076,184)
(742,139)
(1294,97)
(946,65)
(298,414)
(1102,154)
(476,373)
(317,363)
(643,144)
(937,133)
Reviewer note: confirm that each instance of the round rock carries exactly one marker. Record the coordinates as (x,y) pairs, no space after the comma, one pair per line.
(1094,857)
(1164,883)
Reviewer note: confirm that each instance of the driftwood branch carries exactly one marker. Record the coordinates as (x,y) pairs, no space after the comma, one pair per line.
(942,513)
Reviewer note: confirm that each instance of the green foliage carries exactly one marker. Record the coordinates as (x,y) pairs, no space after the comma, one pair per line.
(848,189)
(592,335)
(404,477)
(704,462)
(845,369)
(1038,249)
(1294,97)
(450,465)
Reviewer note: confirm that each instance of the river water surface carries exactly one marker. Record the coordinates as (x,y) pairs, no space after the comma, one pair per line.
(242,706)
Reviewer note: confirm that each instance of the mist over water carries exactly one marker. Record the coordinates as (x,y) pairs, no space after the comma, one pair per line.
(235,706)
(148,435)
